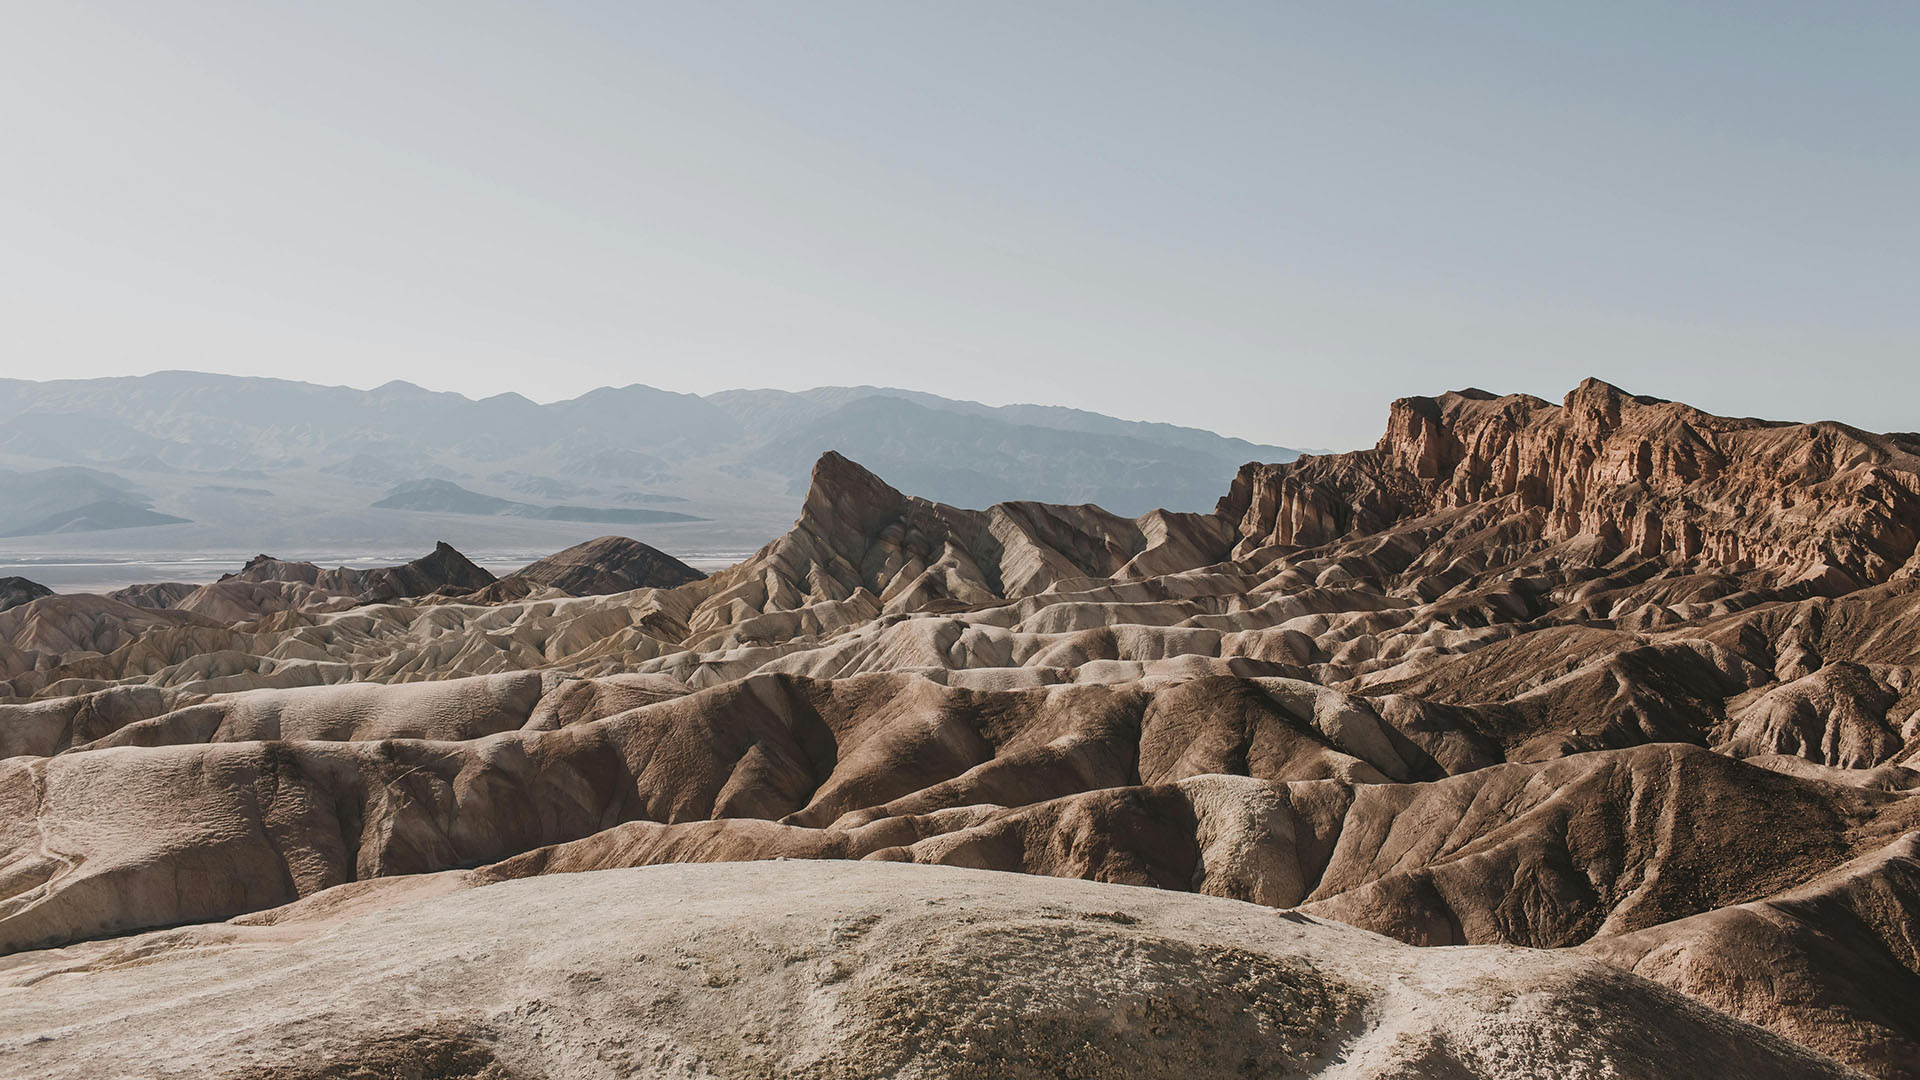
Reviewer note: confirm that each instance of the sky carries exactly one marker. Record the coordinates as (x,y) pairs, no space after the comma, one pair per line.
(1266,219)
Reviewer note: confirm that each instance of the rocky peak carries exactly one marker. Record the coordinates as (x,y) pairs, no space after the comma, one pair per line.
(443,570)
(860,547)
(844,499)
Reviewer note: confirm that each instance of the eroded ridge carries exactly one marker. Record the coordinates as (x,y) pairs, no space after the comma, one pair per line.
(1613,676)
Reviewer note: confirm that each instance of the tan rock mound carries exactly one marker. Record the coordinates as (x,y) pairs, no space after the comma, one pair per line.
(159,594)
(841,971)
(611,564)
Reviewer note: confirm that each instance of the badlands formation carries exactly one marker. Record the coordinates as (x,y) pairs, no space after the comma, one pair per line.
(1539,740)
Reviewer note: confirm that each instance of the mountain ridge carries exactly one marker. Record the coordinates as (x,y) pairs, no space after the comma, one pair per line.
(1611,675)
(177,447)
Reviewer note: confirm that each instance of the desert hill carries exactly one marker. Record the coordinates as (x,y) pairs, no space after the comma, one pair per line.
(1611,680)
(15,591)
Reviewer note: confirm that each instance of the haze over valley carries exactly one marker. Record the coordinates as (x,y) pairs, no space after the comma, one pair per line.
(194,472)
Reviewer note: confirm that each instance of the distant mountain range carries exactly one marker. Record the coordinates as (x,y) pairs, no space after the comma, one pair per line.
(447,497)
(64,500)
(188,460)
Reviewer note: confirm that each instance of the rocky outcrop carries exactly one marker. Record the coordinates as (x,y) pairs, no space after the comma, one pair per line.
(1618,477)
(611,564)
(15,591)
(443,570)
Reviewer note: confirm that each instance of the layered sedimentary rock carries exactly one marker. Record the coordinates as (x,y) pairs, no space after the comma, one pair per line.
(1611,474)
(1613,676)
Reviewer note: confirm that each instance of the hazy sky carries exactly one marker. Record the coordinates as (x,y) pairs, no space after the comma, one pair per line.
(1267,219)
